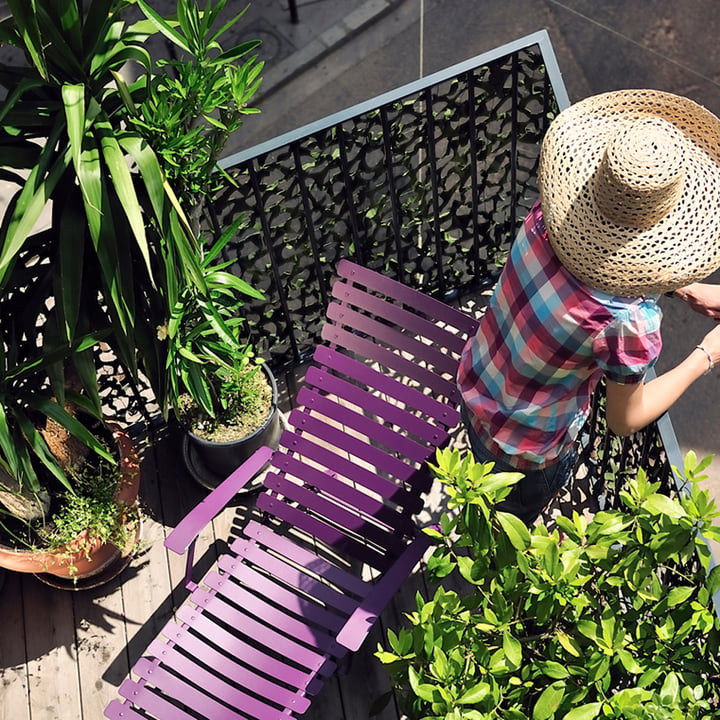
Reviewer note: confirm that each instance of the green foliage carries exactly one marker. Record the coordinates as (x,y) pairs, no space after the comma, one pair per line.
(116,169)
(91,507)
(207,357)
(68,149)
(188,110)
(118,244)
(607,617)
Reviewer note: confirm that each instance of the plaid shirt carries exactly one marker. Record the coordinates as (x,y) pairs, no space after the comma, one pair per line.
(543,344)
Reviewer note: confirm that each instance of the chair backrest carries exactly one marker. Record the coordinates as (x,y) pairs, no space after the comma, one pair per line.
(378,400)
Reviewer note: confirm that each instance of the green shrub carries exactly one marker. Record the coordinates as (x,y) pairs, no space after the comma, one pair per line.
(608,617)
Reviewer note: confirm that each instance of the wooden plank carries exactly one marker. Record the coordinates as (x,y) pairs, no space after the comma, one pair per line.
(365,681)
(13,660)
(54,683)
(145,587)
(100,640)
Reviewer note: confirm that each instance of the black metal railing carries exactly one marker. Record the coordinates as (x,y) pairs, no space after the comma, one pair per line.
(426,184)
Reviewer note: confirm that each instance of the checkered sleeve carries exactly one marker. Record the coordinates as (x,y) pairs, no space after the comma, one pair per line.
(630,344)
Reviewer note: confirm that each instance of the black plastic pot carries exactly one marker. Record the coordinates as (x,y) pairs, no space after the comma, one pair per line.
(210,463)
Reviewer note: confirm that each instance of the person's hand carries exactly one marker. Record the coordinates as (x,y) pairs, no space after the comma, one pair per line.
(711,343)
(703,298)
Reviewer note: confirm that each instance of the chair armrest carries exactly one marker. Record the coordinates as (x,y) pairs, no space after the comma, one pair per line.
(358,625)
(187,530)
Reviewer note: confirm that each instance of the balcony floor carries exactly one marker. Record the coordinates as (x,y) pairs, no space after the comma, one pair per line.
(63,654)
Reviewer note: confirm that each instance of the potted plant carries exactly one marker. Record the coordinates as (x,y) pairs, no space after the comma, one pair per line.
(224,398)
(607,617)
(93,242)
(61,466)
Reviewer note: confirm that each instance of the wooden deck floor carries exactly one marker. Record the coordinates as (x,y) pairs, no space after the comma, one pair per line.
(63,654)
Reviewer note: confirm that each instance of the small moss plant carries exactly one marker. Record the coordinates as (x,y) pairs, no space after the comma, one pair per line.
(90,513)
(603,617)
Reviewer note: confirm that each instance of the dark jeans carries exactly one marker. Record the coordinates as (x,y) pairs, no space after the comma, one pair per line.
(531,495)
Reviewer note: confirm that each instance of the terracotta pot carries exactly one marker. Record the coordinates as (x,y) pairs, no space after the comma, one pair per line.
(210,462)
(76,564)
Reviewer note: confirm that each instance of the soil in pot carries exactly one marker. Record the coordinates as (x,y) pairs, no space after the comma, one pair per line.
(212,449)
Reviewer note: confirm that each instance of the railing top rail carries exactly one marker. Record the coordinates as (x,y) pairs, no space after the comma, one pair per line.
(541,38)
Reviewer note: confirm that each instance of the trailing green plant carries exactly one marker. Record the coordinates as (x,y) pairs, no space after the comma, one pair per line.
(603,617)
(188,108)
(91,508)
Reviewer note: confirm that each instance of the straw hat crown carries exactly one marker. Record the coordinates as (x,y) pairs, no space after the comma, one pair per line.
(630,189)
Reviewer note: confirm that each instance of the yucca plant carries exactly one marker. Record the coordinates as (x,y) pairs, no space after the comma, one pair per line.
(94,244)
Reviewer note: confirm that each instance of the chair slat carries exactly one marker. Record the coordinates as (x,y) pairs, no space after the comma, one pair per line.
(406,367)
(398,415)
(235,596)
(347,493)
(288,660)
(375,431)
(191,696)
(117,710)
(424,303)
(434,409)
(394,337)
(294,577)
(279,594)
(406,319)
(345,520)
(293,552)
(198,653)
(309,423)
(363,476)
(142,696)
(323,531)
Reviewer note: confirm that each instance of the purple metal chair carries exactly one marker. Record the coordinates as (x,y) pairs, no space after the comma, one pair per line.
(262,631)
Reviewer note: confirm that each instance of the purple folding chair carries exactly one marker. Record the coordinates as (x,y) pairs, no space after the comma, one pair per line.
(264,628)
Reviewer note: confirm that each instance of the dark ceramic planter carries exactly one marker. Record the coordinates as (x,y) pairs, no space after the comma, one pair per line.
(210,463)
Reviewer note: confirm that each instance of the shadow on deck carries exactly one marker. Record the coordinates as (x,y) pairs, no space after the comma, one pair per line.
(63,653)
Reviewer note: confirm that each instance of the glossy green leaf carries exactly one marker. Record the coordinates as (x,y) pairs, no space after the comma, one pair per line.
(475,694)
(588,711)
(163,26)
(512,649)
(31,202)
(549,701)
(24,13)
(515,529)
(663,505)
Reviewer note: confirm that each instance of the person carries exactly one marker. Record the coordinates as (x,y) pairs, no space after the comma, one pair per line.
(628,210)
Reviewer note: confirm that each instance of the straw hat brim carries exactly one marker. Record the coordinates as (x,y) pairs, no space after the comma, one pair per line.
(681,247)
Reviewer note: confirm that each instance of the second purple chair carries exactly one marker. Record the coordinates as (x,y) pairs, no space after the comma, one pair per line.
(261,632)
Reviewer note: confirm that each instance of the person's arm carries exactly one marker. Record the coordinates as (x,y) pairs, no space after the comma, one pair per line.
(703,298)
(630,408)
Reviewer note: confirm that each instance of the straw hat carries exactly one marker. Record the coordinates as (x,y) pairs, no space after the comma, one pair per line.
(630,190)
